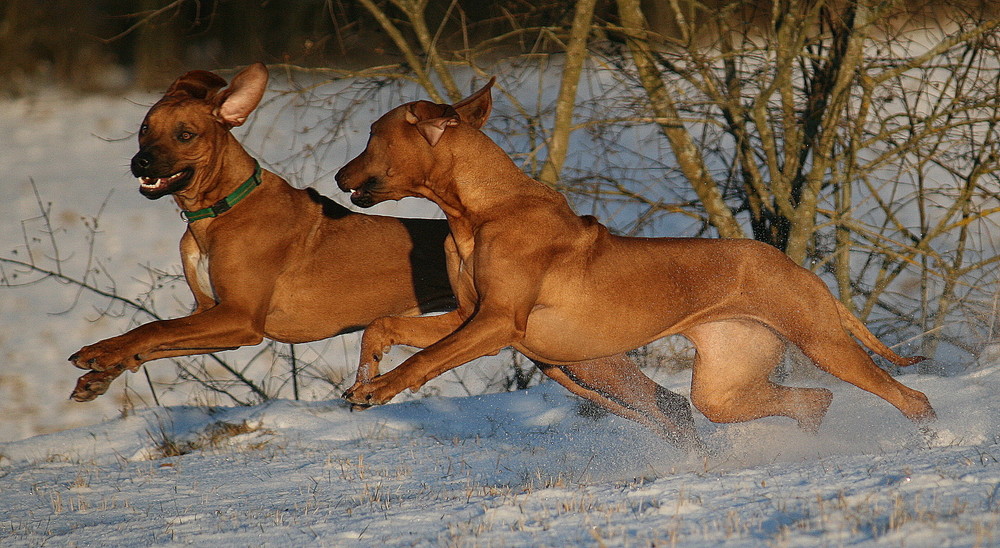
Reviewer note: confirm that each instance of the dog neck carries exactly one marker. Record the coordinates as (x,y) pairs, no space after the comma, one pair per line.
(227,203)
(462,189)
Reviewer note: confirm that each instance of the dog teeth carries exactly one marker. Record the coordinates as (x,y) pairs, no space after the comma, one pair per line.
(153,182)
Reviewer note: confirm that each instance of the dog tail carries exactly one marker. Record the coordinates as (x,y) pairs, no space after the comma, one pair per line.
(860,331)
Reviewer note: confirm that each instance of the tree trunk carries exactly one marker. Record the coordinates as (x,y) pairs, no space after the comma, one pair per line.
(689,157)
(157,47)
(576,55)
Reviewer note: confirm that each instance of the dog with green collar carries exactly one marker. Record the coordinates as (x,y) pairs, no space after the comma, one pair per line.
(262,259)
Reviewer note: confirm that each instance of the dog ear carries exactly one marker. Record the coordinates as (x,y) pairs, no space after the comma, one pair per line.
(199,84)
(235,103)
(431,119)
(475,109)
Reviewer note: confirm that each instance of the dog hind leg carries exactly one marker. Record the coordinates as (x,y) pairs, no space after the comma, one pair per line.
(839,355)
(819,328)
(730,381)
(621,384)
(616,384)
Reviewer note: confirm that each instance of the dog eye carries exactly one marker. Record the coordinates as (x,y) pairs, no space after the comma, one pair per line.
(143,129)
(185,136)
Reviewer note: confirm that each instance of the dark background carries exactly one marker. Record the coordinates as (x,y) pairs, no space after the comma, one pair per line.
(148,42)
(76,42)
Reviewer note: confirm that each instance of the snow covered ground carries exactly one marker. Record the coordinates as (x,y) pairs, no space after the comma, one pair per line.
(522,468)
(514,469)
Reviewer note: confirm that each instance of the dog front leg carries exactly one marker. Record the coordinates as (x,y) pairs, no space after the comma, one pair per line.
(482,335)
(220,328)
(95,383)
(389,331)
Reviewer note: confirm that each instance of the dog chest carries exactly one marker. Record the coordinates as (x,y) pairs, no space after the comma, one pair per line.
(202,278)
(197,271)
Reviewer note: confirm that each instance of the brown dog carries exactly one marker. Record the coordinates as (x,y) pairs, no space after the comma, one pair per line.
(268,260)
(558,287)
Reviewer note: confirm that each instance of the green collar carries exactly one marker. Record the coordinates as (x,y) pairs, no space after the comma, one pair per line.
(225,204)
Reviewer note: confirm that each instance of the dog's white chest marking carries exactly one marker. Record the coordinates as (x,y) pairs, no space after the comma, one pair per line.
(202,278)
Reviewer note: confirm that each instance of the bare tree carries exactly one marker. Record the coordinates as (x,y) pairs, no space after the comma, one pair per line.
(158,45)
(859,137)
(415,11)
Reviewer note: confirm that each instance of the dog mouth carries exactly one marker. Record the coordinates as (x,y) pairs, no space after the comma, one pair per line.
(154,187)
(361,198)
(363,195)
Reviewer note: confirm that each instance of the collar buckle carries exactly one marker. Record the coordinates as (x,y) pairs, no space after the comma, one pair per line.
(221,207)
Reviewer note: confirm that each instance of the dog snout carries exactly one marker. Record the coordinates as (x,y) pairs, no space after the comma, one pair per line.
(344,177)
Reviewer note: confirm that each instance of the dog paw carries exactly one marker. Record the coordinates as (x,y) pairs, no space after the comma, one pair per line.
(360,399)
(93,384)
(92,358)
(81,363)
(97,358)
(375,392)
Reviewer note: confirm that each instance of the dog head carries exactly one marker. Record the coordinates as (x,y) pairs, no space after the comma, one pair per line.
(184,133)
(404,148)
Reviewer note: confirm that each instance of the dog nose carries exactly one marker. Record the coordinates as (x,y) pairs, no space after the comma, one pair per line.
(141,161)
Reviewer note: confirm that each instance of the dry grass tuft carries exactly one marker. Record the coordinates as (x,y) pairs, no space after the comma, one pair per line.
(216,435)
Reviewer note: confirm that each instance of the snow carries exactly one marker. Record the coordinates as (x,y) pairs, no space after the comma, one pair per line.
(520,468)
(509,469)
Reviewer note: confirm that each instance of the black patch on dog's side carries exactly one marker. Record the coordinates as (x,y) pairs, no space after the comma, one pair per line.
(432,288)
(331,209)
